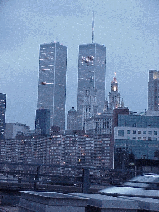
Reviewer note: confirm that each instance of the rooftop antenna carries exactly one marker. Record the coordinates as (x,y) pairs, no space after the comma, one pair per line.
(93,28)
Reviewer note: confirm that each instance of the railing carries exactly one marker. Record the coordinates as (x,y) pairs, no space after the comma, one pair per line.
(44,176)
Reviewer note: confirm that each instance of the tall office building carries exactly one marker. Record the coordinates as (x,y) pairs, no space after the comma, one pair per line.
(52,82)
(2,115)
(153,91)
(91,66)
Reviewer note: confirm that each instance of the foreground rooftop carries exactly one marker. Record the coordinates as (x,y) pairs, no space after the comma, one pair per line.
(138,194)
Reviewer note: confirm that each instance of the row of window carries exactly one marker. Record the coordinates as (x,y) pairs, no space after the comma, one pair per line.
(142,132)
(121,132)
(144,138)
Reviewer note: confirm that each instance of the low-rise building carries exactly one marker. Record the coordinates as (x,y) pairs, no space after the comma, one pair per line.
(136,137)
(59,154)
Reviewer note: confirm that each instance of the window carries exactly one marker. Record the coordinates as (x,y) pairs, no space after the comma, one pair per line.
(150,132)
(155,132)
(144,138)
(139,138)
(134,138)
(134,131)
(139,131)
(120,132)
(128,131)
(144,132)
(149,138)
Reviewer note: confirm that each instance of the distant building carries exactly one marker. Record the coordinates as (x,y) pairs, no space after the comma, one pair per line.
(153,92)
(20,149)
(52,82)
(60,150)
(2,115)
(72,119)
(55,130)
(90,106)
(91,66)
(138,121)
(114,95)
(101,123)
(14,129)
(117,112)
(42,121)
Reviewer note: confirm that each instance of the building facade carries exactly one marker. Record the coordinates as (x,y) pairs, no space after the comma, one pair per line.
(52,82)
(153,91)
(90,106)
(114,95)
(67,154)
(13,129)
(101,123)
(72,119)
(2,115)
(136,137)
(91,67)
(42,121)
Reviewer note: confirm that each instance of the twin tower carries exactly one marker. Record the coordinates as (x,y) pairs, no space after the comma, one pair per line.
(52,81)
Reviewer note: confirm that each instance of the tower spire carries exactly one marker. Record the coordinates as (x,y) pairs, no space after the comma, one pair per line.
(93,28)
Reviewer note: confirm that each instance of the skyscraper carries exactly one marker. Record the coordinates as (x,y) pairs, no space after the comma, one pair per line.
(91,66)
(42,121)
(153,91)
(2,114)
(52,82)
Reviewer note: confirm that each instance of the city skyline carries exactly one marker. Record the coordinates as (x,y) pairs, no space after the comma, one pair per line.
(129,30)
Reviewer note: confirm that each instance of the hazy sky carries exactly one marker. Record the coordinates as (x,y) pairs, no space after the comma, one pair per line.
(128,28)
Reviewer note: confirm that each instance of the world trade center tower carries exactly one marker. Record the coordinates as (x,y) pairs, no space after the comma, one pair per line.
(52,82)
(91,68)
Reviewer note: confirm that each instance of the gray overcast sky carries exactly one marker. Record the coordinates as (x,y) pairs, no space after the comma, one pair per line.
(128,28)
